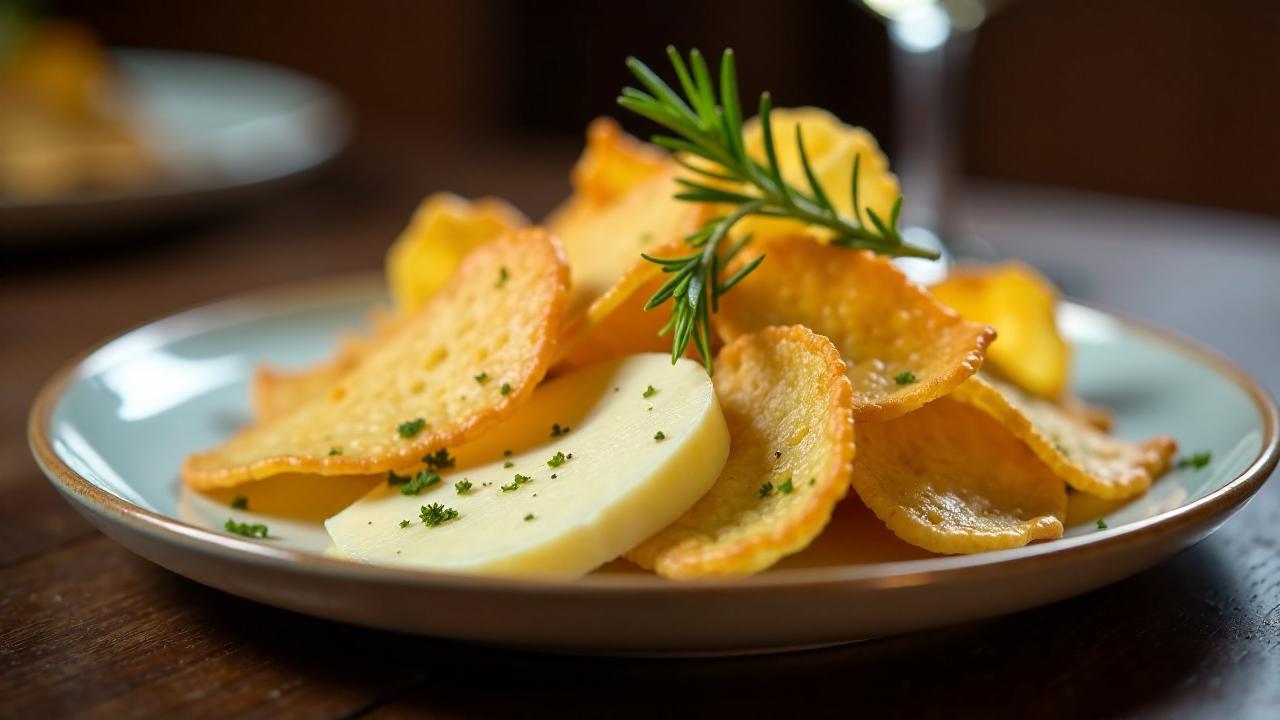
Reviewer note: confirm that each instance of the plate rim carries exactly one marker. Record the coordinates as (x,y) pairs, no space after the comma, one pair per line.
(88,497)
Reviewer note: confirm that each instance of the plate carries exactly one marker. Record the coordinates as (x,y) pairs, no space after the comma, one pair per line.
(225,129)
(111,429)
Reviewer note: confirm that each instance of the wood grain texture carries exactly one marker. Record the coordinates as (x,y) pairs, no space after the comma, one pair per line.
(88,630)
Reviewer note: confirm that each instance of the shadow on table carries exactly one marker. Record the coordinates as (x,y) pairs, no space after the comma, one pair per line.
(1117,651)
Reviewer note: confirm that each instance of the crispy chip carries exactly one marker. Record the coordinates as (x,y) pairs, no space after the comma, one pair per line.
(786,400)
(442,231)
(952,479)
(419,391)
(627,329)
(1021,305)
(613,163)
(902,347)
(831,147)
(277,391)
(1089,460)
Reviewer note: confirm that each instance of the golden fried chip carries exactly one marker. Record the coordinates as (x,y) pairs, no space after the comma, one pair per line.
(831,147)
(461,364)
(1087,459)
(277,392)
(614,162)
(442,231)
(1021,305)
(627,329)
(902,347)
(952,479)
(785,398)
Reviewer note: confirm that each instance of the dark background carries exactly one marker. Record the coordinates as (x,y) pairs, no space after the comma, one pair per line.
(1168,99)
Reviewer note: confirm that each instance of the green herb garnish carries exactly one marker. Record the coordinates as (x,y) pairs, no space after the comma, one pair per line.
(557,431)
(556,460)
(439,460)
(529,517)
(435,514)
(505,389)
(786,487)
(516,483)
(659,436)
(252,530)
(1102,524)
(906,377)
(462,486)
(424,479)
(707,125)
(482,378)
(508,464)
(335,451)
(240,502)
(766,489)
(650,392)
(394,479)
(404,523)
(502,277)
(1196,461)
(411,428)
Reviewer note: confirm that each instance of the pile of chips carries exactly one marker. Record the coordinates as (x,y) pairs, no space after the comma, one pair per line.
(833,370)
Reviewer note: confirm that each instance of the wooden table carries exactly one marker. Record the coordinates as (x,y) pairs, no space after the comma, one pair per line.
(88,629)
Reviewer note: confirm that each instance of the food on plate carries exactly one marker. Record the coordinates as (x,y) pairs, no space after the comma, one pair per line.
(65,121)
(534,411)
(786,399)
(902,347)
(1088,459)
(466,360)
(952,479)
(522,500)
(1021,305)
(441,232)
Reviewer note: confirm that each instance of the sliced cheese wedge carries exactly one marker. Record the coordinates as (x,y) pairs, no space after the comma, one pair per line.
(641,440)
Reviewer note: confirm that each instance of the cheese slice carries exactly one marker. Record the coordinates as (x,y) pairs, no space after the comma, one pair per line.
(634,460)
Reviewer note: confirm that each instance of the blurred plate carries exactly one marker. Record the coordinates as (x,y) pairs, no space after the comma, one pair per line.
(111,430)
(226,131)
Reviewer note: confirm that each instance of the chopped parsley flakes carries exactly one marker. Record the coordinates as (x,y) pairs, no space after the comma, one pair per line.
(650,392)
(482,378)
(1196,461)
(508,464)
(462,486)
(439,460)
(502,276)
(906,377)
(529,517)
(335,451)
(436,514)
(556,460)
(424,479)
(505,389)
(557,431)
(404,523)
(394,479)
(786,487)
(252,530)
(411,428)
(766,489)
(240,502)
(1102,524)
(659,436)
(516,483)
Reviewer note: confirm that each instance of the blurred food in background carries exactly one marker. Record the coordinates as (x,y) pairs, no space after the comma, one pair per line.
(67,124)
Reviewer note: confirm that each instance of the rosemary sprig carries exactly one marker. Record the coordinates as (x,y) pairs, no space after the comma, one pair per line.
(707,124)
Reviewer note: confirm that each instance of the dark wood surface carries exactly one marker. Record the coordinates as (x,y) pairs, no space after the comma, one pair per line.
(88,629)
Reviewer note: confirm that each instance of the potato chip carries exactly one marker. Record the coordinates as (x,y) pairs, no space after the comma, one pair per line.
(627,329)
(461,364)
(614,162)
(1021,305)
(785,398)
(278,391)
(831,147)
(1087,459)
(950,478)
(902,347)
(442,231)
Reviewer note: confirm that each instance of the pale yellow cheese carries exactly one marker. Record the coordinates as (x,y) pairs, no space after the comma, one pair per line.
(619,486)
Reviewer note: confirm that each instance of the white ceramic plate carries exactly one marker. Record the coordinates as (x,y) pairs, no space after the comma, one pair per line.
(111,429)
(225,129)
